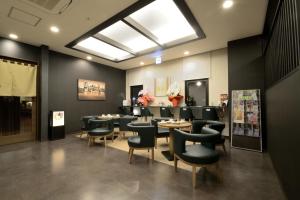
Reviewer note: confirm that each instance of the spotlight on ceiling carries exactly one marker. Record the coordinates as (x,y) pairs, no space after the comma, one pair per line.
(198,83)
(54,29)
(186,53)
(142,63)
(13,36)
(227,4)
(89,57)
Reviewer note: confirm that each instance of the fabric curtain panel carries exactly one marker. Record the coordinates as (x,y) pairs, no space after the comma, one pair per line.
(17,79)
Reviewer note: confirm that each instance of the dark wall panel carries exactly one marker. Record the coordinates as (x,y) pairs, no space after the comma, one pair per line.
(283,93)
(283,50)
(284,132)
(246,71)
(64,71)
(13,49)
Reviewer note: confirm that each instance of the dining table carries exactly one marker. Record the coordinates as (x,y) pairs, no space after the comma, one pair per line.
(171,125)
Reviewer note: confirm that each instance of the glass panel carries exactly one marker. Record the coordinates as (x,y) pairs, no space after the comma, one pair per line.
(102,49)
(128,37)
(164,20)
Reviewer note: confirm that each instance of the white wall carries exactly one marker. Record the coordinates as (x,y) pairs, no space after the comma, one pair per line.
(212,65)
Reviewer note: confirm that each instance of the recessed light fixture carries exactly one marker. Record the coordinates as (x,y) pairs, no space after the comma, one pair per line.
(54,29)
(97,47)
(89,57)
(13,36)
(186,53)
(134,34)
(198,83)
(142,63)
(227,4)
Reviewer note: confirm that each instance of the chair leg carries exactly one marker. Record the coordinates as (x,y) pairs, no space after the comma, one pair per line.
(89,141)
(130,155)
(152,150)
(167,140)
(156,143)
(194,176)
(224,148)
(113,136)
(175,163)
(105,141)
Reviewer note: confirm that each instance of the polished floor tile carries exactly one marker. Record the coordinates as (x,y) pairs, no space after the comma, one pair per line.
(69,169)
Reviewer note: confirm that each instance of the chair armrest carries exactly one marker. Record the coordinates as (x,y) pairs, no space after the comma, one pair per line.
(137,126)
(206,135)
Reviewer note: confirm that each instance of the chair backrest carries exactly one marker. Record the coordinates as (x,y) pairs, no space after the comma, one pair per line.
(97,123)
(216,125)
(186,113)
(125,110)
(210,113)
(85,121)
(145,112)
(208,138)
(154,122)
(197,125)
(146,133)
(124,121)
(165,112)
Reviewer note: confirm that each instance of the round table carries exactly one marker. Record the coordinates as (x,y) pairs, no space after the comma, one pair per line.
(171,126)
(109,117)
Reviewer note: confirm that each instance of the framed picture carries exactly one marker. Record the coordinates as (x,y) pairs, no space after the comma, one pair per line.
(91,90)
(161,87)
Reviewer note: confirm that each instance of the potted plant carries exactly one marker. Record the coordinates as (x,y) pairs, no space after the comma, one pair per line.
(173,94)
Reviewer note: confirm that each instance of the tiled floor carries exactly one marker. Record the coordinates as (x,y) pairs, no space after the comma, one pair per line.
(69,169)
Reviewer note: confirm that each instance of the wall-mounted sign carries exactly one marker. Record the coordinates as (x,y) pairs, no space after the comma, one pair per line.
(58,118)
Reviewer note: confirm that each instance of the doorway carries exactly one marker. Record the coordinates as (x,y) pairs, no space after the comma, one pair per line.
(18,104)
(134,93)
(196,92)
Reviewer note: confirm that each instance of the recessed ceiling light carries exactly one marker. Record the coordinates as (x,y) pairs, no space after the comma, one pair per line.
(186,53)
(142,63)
(13,36)
(89,57)
(227,4)
(102,49)
(165,26)
(54,29)
(198,83)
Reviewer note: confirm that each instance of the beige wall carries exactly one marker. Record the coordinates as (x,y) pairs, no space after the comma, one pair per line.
(212,65)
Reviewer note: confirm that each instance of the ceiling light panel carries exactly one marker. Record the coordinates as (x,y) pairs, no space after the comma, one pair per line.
(102,49)
(165,21)
(128,37)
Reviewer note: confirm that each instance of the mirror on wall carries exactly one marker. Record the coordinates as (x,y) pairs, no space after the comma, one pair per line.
(196,92)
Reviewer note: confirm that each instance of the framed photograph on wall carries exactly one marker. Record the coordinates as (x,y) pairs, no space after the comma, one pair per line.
(91,90)
(161,86)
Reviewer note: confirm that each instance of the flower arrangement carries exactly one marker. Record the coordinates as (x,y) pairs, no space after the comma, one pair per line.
(144,98)
(173,94)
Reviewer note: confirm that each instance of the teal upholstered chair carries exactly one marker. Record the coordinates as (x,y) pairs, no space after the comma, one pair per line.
(100,129)
(196,155)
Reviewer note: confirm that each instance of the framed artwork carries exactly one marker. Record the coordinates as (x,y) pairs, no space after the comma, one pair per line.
(161,87)
(91,90)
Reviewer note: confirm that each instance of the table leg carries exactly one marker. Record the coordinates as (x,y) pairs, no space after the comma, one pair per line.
(170,153)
